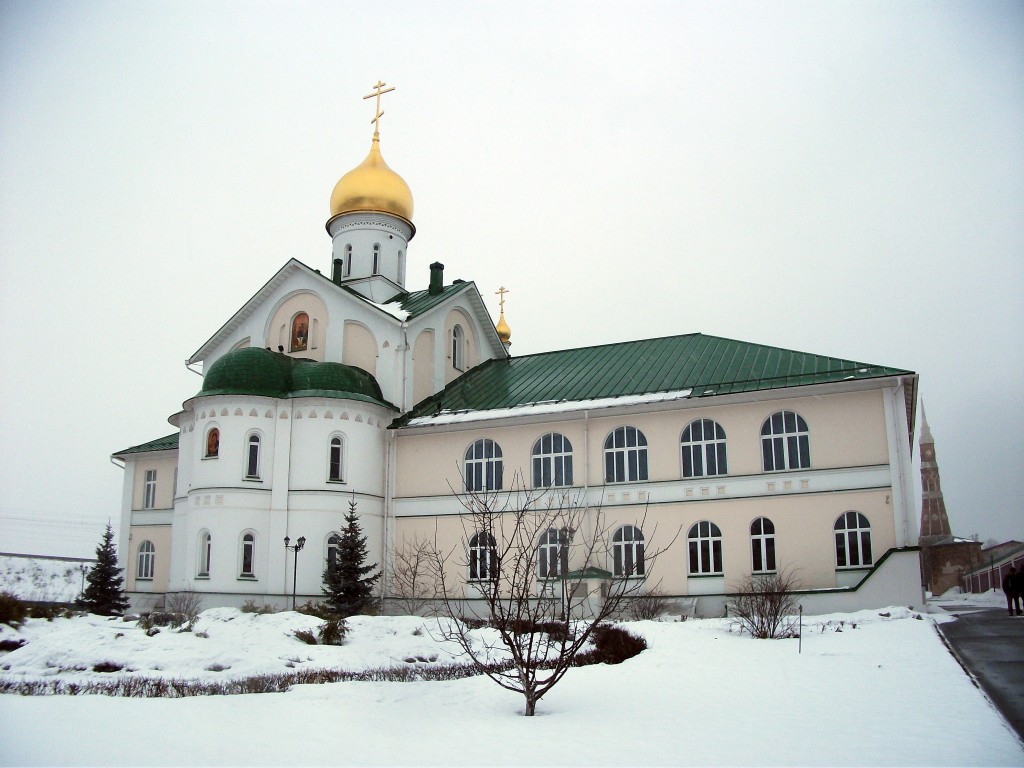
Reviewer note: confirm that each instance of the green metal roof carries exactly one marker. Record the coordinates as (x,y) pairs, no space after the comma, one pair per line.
(418,302)
(258,371)
(169,443)
(705,365)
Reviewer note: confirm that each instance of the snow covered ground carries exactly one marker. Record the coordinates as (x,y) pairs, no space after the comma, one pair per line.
(867,689)
(43,579)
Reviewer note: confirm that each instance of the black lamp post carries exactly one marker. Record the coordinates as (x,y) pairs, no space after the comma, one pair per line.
(295,548)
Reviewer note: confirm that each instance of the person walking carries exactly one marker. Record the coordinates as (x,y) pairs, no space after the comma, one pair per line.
(1016,591)
(1012,584)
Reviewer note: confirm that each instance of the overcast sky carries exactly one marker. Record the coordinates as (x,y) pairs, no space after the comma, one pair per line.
(839,178)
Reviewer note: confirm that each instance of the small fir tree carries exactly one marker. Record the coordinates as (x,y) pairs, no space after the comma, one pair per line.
(348,586)
(103,593)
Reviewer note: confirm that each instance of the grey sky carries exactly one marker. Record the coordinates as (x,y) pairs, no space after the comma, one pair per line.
(839,178)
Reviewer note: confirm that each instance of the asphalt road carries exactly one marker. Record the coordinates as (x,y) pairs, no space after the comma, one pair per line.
(990,644)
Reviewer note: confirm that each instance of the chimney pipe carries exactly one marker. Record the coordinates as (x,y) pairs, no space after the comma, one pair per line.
(436,278)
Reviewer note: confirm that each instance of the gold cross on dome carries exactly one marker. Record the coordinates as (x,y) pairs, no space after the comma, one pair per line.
(500,293)
(378,92)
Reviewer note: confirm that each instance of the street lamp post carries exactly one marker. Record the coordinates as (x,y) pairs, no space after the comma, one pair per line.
(295,548)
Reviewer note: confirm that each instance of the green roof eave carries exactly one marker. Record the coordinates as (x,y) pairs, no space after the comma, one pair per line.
(168,443)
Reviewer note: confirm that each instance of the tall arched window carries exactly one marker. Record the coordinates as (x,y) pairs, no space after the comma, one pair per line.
(252,462)
(483,467)
(300,332)
(205,550)
(247,556)
(703,447)
(458,348)
(483,557)
(784,442)
(347,267)
(401,268)
(212,443)
(762,545)
(705,540)
(628,552)
(376,258)
(552,461)
(147,560)
(553,553)
(335,462)
(853,540)
(625,456)
(333,547)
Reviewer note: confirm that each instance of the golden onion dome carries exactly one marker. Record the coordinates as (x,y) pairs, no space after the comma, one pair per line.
(504,332)
(372,186)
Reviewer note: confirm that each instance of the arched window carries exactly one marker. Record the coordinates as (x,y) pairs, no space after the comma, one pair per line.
(300,332)
(335,462)
(552,461)
(205,549)
(784,442)
(149,490)
(553,553)
(705,540)
(628,552)
(703,446)
(458,348)
(212,443)
(853,541)
(347,268)
(401,268)
(147,560)
(762,545)
(333,548)
(252,462)
(625,456)
(483,557)
(376,258)
(483,466)
(247,556)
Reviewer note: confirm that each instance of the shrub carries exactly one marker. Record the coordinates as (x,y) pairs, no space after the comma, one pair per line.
(613,644)
(107,666)
(149,621)
(11,645)
(320,610)
(764,606)
(646,607)
(305,636)
(333,631)
(187,603)
(262,610)
(12,610)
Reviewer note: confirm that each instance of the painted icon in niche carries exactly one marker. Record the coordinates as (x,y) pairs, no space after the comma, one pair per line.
(212,443)
(300,332)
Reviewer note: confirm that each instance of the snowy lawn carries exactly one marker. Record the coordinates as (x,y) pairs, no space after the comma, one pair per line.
(867,689)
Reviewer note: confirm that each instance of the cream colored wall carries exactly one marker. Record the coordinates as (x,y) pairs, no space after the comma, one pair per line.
(846,430)
(360,347)
(279,330)
(423,366)
(472,350)
(803,535)
(164,482)
(160,535)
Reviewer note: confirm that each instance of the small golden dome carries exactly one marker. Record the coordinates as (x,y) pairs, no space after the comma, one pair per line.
(504,332)
(372,186)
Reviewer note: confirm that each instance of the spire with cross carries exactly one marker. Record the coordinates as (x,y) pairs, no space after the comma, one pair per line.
(379,90)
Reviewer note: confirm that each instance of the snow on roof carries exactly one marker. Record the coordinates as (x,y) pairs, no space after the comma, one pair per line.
(548,407)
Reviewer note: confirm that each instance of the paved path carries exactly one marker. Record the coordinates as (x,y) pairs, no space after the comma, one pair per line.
(991,645)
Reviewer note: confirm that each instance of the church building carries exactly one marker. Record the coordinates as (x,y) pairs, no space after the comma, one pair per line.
(351,385)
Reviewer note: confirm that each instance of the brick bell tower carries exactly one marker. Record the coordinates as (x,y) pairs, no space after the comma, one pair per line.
(934,522)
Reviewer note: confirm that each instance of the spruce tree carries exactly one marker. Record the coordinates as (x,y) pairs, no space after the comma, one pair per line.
(348,586)
(103,593)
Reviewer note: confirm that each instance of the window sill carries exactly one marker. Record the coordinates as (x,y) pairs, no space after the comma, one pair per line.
(210,458)
(143,578)
(203,577)
(252,479)
(705,575)
(337,482)
(245,577)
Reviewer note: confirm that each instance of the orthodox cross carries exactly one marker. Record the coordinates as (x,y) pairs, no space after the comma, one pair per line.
(500,293)
(379,90)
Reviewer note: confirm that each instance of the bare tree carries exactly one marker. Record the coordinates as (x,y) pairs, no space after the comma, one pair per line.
(646,607)
(764,605)
(415,582)
(537,566)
